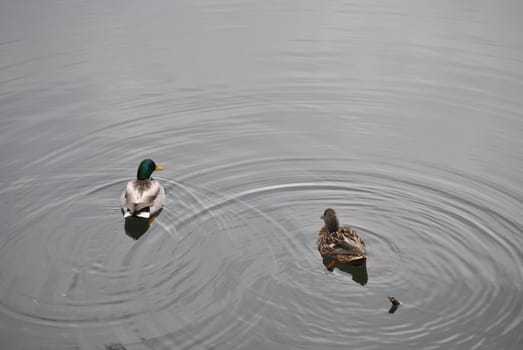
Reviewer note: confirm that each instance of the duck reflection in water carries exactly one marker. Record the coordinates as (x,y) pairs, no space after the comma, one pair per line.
(342,247)
(136,227)
(142,200)
(356,268)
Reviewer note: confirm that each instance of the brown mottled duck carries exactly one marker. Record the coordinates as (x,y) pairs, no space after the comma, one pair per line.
(342,244)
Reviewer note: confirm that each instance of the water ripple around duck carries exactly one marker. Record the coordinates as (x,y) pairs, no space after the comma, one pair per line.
(235,245)
(432,227)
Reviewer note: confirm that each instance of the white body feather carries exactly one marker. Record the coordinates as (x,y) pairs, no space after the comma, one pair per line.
(140,194)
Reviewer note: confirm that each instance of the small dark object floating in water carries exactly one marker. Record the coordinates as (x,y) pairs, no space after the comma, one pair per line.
(395,303)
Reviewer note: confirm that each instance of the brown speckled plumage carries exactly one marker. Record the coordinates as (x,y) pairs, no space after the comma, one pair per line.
(341,243)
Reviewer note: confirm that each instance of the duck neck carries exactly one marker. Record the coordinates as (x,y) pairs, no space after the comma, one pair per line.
(333,225)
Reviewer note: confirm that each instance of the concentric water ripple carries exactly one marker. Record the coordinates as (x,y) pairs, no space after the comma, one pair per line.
(436,228)
(435,240)
(403,117)
(239,250)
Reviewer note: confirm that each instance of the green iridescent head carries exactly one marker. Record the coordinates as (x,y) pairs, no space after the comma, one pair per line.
(146,168)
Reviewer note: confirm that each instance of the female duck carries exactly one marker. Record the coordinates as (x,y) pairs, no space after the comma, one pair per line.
(143,197)
(340,243)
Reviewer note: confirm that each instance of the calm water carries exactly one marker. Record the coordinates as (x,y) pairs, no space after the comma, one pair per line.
(405,116)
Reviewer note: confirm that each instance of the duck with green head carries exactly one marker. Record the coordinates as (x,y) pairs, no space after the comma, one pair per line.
(143,197)
(341,244)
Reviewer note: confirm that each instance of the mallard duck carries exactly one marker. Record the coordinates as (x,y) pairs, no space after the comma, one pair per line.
(143,197)
(340,243)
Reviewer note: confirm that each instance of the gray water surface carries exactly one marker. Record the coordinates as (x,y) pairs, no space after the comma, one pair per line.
(405,116)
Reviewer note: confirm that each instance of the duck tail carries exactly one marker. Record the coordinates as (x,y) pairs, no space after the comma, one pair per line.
(133,209)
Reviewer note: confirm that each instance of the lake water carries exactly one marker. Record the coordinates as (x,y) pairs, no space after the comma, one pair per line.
(405,116)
